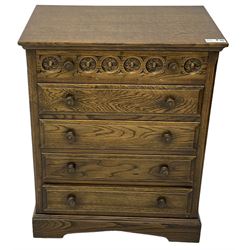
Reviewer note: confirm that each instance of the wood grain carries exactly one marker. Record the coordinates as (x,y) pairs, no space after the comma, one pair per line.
(121,135)
(112,168)
(164,26)
(175,229)
(113,200)
(116,99)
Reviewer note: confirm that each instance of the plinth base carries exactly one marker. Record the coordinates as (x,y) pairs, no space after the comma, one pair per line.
(56,226)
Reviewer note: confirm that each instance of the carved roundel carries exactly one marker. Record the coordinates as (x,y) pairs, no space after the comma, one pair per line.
(110,64)
(155,64)
(88,64)
(50,63)
(132,64)
(192,65)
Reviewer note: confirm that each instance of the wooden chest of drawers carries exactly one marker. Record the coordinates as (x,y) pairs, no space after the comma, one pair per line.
(120,100)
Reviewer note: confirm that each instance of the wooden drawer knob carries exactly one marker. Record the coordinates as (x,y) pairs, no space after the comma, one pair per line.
(70,100)
(164,170)
(170,103)
(161,202)
(68,65)
(71,167)
(167,136)
(70,136)
(173,66)
(71,200)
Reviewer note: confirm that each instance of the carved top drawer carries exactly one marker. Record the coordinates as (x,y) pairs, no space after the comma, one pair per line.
(121,66)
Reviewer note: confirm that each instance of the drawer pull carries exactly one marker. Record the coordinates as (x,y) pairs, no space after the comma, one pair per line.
(161,202)
(70,136)
(168,136)
(70,100)
(173,67)
(164,170)
(71,200)
(68,65)
(71,167)
(170,103)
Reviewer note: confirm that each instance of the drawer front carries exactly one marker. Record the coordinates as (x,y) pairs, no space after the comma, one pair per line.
(121,66)
(118,135)
(79,168)
(102,98)
(138,201)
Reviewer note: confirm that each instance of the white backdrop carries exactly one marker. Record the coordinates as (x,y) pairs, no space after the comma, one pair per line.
(224,203)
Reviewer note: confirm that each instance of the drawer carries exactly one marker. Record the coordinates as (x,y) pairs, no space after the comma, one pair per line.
(118,135)
(114,98)
(112,200)
(118,168)
(144,67)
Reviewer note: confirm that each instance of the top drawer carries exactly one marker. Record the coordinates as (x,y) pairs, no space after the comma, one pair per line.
(121,66)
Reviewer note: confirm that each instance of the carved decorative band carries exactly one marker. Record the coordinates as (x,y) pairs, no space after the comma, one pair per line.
(117,64)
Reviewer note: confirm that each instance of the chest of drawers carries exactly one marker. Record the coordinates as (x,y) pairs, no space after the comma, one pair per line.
(120,100)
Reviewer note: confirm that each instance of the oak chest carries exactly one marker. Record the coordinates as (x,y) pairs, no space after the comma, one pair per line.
(120,100)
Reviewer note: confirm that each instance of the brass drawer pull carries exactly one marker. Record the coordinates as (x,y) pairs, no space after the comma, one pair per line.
(164,170)
(71,167)
(70,100)
(167,136)
(161,202)
(71,200)
(70,136)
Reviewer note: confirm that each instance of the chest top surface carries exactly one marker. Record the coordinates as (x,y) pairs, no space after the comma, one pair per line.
(76,26)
